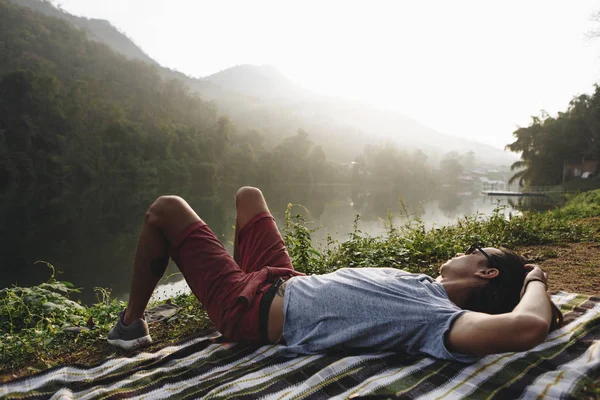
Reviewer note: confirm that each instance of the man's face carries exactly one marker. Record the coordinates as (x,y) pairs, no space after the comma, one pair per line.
(466,265)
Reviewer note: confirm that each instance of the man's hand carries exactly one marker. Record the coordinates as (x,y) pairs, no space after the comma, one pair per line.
(535,274)
(522,329)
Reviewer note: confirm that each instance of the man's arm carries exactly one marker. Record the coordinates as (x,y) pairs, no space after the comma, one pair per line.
(522,329)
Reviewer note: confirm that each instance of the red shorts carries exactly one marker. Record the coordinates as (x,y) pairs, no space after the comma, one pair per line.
(229,292)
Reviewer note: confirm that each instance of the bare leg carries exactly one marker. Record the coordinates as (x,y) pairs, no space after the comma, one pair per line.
(249,201)
(165,220)
(151,260)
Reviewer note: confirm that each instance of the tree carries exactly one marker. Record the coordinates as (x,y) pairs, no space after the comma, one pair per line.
(451,167)
(549,141)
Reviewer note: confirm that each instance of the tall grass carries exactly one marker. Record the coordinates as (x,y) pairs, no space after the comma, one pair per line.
(412,247)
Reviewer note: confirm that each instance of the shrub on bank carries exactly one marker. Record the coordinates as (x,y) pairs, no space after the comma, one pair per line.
(412,247)
(584,205)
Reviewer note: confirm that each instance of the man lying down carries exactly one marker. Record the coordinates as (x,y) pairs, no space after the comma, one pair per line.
(485,301)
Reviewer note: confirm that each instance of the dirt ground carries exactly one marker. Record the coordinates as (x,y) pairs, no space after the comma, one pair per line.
(571,267)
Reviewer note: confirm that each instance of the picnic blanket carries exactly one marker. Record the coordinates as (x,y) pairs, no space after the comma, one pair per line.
(207,367)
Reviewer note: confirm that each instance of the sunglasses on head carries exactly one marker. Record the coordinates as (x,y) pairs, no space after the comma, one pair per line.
(474,247)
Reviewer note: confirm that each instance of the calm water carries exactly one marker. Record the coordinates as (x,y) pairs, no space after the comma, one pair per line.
(90,236)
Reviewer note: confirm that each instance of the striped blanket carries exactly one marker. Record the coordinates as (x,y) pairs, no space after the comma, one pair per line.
(206,367)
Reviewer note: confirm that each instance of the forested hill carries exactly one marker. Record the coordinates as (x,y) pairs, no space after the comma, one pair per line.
(73,111)
(99,30)
(103,31)
(260,98)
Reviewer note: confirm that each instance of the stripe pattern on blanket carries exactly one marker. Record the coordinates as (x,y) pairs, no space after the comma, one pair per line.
(206,367)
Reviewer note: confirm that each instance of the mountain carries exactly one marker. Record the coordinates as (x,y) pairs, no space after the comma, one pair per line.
(261,98)
(73,111)
(258,81)
(264,89)
(97,29)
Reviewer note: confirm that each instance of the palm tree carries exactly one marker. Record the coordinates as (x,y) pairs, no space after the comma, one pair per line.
(524,175)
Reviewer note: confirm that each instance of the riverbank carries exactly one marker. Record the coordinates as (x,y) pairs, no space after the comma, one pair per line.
(565,242)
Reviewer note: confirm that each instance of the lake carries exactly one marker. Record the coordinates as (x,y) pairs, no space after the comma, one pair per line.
(90,236)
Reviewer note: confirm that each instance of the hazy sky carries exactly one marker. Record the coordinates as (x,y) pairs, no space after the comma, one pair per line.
(470,68)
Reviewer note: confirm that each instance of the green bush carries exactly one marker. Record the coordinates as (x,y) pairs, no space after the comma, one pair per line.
(413,248)
(33,317)
(583,205)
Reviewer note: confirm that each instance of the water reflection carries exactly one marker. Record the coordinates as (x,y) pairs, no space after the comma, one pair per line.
(91,235)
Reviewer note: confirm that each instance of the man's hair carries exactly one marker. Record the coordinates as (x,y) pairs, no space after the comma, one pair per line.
(503,293)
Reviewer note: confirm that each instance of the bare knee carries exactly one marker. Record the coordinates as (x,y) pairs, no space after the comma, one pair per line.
(248,194)
(163,209)
(249,202)
(171,215)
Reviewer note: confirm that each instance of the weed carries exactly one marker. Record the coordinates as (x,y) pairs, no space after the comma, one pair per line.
(298,239)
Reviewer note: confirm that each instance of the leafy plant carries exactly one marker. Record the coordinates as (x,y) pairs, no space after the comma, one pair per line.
(298,239)
(30,317)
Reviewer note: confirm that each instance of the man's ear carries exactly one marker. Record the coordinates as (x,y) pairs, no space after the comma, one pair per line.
(487,273)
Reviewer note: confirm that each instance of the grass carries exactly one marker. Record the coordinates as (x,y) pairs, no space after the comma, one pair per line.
(32,319)
(583,205)
(413,248)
